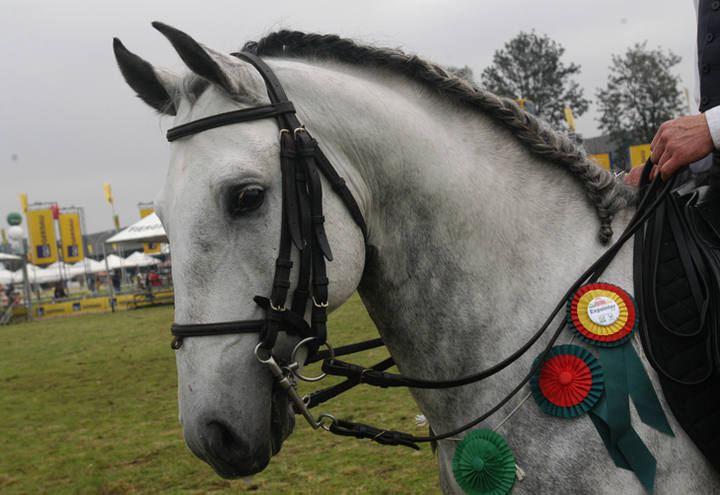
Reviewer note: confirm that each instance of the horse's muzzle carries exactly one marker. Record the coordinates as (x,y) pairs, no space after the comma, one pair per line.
(229,452)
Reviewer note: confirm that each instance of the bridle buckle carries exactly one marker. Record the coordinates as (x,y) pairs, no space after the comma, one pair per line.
(320,305)
(279,308)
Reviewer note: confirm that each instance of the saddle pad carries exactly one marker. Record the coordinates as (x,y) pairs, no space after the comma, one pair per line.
(677,285)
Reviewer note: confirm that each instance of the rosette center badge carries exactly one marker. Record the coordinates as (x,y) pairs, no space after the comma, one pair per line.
(603,311)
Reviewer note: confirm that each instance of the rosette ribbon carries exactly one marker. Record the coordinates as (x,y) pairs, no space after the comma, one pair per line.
(568,383)
(605,315)
(483,464)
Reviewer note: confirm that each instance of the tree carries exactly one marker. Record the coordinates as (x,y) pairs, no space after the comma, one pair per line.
(641,94)
(464,72)
(529,67)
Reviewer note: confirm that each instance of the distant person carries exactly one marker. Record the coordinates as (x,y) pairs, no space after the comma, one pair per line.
(116,280)
(155,280)
(60,291)
(140,281)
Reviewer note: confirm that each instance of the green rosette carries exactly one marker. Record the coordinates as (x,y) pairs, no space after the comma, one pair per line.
(483,464)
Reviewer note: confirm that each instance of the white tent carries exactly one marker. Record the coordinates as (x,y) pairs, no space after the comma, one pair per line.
(114,262)
(148,229)
(37,275)
(6,276)
(60,268)
(139,258)
(87,265)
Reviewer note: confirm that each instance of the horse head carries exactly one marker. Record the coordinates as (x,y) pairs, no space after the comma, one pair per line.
(222,208)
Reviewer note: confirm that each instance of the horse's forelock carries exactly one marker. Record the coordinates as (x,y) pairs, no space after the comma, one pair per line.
(193,86)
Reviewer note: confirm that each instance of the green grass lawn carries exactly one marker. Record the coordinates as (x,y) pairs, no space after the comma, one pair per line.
(89,405)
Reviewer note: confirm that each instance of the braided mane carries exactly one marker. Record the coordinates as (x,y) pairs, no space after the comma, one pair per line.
(607,193)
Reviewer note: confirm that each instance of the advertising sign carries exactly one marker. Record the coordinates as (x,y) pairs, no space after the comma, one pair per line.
(149,247)
(43,248)
(602,159)
(639,154)
(71,237)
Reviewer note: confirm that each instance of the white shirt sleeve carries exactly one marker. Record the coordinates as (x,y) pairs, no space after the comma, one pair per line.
(712,116)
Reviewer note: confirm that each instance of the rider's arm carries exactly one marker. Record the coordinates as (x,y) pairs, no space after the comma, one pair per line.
(681,141)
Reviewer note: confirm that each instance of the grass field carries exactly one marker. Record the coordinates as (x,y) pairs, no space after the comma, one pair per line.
(88,405)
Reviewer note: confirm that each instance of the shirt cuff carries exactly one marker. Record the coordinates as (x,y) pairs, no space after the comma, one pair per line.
(713,120)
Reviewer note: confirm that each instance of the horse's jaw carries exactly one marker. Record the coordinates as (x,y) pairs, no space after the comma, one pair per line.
(282,419)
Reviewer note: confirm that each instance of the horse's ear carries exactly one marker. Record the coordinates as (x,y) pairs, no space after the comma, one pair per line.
(156,87)
(229,72)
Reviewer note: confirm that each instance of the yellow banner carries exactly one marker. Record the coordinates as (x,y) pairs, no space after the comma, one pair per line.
(149,247)
(639,154)
(569,118)
(71,237)
(108,192)
(602,159)
(43,247)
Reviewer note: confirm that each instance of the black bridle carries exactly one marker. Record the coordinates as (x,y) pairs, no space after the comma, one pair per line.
(302,225)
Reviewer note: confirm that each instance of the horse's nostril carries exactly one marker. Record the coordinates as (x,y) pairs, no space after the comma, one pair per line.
(229,454)
(224,442)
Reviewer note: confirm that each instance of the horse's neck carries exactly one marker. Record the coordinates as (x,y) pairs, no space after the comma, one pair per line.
(476,241)
(474,248)
(473,238)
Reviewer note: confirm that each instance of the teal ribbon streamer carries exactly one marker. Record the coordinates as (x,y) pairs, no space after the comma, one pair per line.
(628,452)
(642,392)
(626,377)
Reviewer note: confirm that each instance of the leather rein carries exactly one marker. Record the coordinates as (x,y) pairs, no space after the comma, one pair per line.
(302,225)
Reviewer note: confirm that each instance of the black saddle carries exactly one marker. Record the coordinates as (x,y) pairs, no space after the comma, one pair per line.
(677,286)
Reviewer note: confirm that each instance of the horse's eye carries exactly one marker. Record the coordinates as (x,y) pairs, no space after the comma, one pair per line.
(243,200)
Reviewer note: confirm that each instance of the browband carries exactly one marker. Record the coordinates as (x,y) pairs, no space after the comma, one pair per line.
(222,119)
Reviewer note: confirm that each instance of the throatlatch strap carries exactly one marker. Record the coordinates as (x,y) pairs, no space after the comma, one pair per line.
(307,148)
(276,93)
(302,291)
(291,209)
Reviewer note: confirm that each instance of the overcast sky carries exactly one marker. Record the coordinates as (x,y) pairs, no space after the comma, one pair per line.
(68,122)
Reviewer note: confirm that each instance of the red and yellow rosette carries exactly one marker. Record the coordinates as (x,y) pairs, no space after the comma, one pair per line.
(602,314)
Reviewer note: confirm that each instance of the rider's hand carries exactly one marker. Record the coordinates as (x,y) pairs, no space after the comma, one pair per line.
(678,143)
(633,177)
